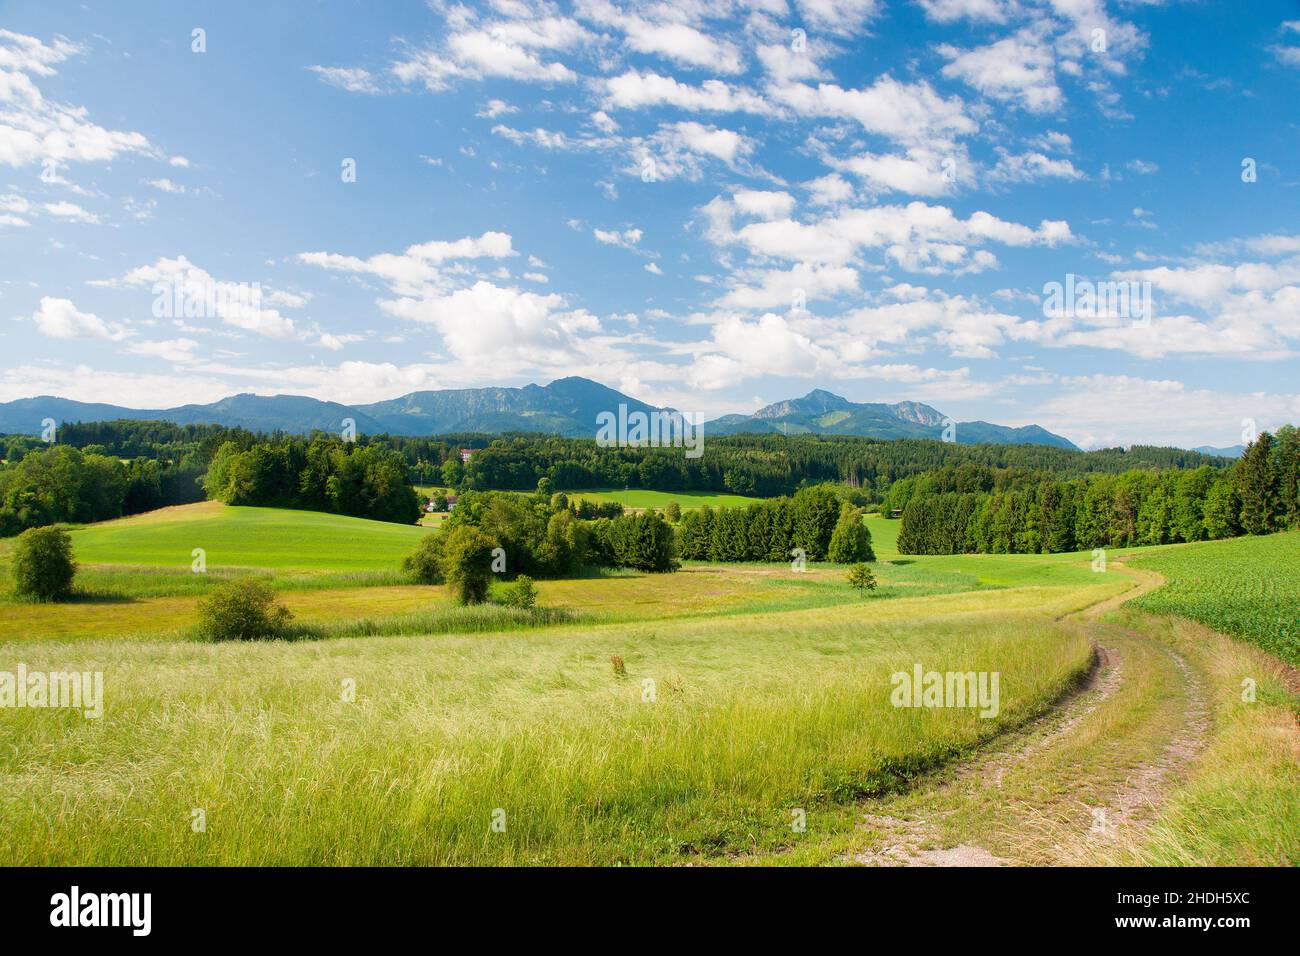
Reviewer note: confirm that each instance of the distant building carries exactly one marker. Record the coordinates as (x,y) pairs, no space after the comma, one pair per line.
(465,455)
(451,502)
(895,512)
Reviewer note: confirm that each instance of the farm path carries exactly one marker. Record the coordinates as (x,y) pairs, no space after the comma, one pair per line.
(1063,789)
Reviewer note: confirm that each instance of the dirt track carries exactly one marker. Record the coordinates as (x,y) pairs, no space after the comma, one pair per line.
(1059,790)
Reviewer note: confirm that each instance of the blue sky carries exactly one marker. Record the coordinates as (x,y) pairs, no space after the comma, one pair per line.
(707,205)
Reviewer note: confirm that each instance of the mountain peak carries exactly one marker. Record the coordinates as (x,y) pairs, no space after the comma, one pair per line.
(817,401)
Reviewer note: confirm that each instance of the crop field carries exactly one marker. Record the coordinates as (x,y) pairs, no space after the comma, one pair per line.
(1245,586)
(631,718)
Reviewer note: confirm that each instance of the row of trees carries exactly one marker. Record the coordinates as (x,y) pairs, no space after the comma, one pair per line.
(317,474)
(58,483)
(540,535)
(815,521)
(1034,512)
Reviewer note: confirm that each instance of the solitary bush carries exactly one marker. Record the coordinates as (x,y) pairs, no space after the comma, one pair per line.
(851,539)
(860,577)
(673,512)
(43,565)
(522,594)
(243,611)
(467,564)
(425,563)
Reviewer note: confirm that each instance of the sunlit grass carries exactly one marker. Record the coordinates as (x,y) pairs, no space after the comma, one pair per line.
(747,717)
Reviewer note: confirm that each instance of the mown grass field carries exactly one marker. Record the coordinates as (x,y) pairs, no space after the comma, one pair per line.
(638,498)
(1249,587)
(245,538)
(750,692)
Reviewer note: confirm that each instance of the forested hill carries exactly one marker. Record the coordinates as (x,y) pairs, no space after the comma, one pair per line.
(106,469)
(765,465)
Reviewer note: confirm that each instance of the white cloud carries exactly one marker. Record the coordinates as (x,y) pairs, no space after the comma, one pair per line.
(628,238)
(70,210)
(352,79)
(904,112)
(636,90)
(515,47)
(60,319)
(765,204)
(171,350)
(180,284)
(33,128)
(420,265)
(495,108)
(1017,69)
(947,11)
(840,17)
(1108,410)
(667,34)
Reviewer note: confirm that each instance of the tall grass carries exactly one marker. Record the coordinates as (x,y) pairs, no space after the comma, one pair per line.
(746,719)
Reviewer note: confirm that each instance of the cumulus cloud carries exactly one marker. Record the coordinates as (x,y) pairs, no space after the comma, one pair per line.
(1018,69)
(60,319)
(521,47)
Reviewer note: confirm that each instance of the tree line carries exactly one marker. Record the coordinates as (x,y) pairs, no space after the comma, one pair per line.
(61,484)
(956,512)
(537,535)
(816,522)
(320,473)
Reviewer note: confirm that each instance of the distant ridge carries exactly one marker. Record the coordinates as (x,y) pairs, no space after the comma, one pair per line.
(1230,451)
(824,413)
(567,407)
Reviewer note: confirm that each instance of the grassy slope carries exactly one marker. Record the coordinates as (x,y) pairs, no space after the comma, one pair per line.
(246,537)
(1248,587)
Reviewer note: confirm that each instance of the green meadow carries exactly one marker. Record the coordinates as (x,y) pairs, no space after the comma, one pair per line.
(639,498)
(632,718)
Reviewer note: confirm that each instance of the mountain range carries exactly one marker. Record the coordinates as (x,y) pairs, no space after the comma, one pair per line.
(567,406)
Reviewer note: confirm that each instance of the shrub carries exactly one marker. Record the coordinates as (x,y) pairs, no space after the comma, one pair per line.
(425,563)
(243,610)
(851,539)
(673,512)
(522,594)
(860,577)
(43,565)
(467,564)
